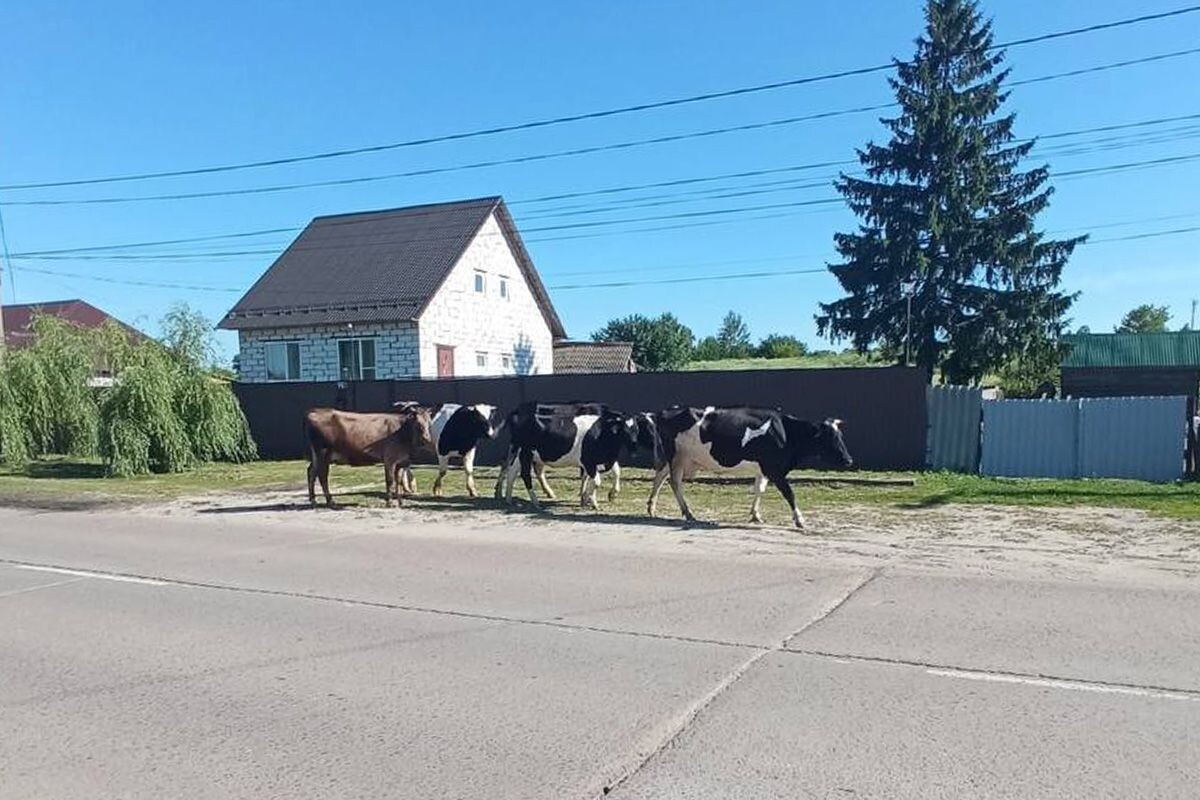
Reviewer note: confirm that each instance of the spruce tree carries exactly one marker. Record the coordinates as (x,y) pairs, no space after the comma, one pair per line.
(947,205)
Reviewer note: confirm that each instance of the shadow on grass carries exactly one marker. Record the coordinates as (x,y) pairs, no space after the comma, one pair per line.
(62,469)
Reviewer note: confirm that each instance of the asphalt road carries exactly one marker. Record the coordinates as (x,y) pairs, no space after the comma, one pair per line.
(238,656)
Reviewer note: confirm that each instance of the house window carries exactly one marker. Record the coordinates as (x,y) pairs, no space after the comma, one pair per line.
(506,362)
(283,361)
(356,359)
(480,282)
(481,360)
(503,287)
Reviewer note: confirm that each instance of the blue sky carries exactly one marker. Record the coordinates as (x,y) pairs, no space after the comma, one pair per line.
(90,90)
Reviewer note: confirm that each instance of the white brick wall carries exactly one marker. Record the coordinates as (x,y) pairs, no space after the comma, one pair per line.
(472,323)
(395,350)
(458,317)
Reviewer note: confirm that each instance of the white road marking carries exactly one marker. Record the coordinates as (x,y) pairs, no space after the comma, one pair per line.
(85,574)
(40,586)
(1061,683)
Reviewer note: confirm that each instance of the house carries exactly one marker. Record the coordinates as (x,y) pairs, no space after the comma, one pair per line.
(17,324)
(1138,365)
(593,357)
(440,290)
(1132,364)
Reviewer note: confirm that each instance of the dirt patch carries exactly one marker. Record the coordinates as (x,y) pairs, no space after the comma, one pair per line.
(1061,543)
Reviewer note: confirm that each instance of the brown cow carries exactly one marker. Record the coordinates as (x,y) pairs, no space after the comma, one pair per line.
(346,437)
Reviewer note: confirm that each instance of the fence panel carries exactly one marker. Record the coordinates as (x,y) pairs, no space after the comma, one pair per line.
(1030,438)
(1133,437)
(1115,437)
(884,408)
(954,417)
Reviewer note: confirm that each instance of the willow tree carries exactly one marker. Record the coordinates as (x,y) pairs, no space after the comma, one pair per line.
(948,212)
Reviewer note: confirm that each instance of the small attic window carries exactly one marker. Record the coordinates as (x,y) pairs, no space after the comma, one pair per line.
(480,282)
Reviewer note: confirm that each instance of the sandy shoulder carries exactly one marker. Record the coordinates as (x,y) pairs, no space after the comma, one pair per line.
(1059,543)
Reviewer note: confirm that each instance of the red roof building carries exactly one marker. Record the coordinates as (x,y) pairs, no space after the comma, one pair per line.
(18,320)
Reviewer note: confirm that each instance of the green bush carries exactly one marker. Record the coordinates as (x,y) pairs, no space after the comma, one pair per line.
(779,345)
(164,412)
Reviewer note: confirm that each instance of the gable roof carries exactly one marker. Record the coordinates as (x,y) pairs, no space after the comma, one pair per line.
(18,319)
(1177,349)
(592,357)
(377,266)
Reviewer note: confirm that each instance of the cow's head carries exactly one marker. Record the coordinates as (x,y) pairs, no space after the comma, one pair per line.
(619,428)
(831,447)
(490,420)
(418,426)
(646,427)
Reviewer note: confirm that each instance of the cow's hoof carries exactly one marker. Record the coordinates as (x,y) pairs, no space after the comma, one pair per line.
(756,518)
(612,496)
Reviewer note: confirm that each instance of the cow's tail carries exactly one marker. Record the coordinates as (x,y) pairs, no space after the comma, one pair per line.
(315,440)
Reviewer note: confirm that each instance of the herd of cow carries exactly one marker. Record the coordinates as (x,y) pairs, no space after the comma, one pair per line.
(590,437)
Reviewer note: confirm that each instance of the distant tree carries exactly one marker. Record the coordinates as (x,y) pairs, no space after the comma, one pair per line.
(659,343)
(734,336)
(948,205)
(708,349)
(1083,330)
(779,345)
(1146,318)
(188,334)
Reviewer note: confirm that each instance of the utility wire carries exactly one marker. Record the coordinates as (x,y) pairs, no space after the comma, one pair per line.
(529,158)
(603,285)
(561,120)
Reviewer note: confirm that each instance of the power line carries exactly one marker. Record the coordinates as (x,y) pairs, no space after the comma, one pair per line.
(592,115)
(534,157)
(604,285)
(1123,167)
(470,166)
(634,187)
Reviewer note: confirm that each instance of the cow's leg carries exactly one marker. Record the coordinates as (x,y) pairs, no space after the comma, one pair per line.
(312,478)
(389,477)
(469,468)
(502,483)
(660,478)
(760,485)
(677,488)
(398,482)
(443,465)
(785,489)
(410,482)
(587,492)
(527,467)
(323,476)
(616,487)
(540,469)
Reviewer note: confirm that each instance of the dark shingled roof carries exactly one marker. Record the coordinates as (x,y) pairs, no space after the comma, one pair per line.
(591,357)
(376,266)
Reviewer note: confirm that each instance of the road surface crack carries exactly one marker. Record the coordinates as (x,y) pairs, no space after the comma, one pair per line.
(681,723)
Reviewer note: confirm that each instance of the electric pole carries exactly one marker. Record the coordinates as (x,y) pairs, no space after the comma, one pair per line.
(909,288)
(1192,326)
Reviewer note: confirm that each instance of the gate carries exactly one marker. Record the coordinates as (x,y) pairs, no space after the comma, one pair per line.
(1114,437)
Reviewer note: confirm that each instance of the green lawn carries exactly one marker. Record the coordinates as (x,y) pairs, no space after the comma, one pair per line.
(802,362)
(67,483)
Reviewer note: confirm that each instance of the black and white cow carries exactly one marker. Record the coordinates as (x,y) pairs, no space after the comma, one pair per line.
(693,439)
(588,436)
(456,431)
(518,418)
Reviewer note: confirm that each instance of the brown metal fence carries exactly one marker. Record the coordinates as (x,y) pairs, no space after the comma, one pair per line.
(884,409)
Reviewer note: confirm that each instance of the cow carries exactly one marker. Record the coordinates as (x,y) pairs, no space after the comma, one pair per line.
(520,416)
(588,436)
(456,431)
(691,439)
(346,437)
